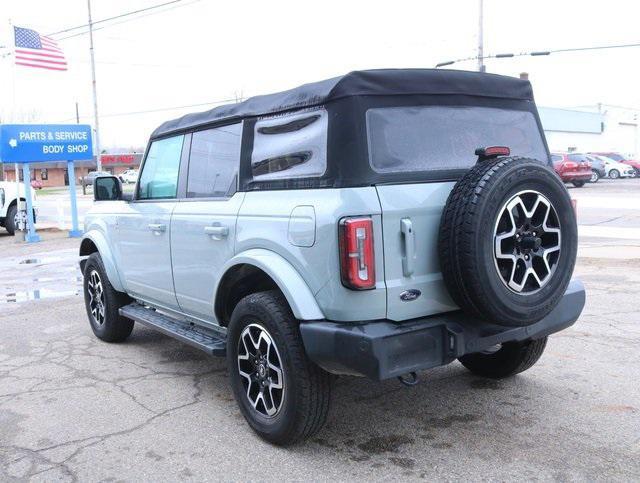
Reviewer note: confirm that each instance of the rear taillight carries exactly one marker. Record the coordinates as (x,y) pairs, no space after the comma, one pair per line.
(357,259)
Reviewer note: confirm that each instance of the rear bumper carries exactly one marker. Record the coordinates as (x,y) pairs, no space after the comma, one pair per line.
(384,349)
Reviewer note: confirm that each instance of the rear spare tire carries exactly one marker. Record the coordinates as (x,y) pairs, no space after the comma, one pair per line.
(508,241)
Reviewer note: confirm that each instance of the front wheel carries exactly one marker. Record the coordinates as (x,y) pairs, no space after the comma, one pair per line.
(103,303)
(595,176)
(614,174)
(282,394)
(506,359)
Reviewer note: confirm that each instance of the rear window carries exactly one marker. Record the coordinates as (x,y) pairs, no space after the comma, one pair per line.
(579,158)
(432,138)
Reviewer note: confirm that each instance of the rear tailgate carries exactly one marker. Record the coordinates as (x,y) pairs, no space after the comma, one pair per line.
(410,222)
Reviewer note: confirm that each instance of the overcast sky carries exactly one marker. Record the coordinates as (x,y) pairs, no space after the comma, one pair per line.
(204,51)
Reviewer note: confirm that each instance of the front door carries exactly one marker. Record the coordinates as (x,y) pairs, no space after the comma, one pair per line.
(203,226)
(144,230)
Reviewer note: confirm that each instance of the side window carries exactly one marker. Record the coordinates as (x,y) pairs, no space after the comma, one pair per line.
(555,158)
(214,161)
(290,146)
(159,177)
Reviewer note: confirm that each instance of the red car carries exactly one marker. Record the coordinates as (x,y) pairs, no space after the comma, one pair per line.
(572,168)
(622,159)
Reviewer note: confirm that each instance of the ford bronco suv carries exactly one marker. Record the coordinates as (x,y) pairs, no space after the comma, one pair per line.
(375,224)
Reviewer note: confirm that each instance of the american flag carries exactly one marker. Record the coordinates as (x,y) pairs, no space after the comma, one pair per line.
(35,50)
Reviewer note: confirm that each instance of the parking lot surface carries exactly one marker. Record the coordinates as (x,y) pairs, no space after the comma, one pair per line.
(73,408)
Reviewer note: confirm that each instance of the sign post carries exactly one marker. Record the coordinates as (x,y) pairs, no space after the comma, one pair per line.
(33,143)
(31,236)
(75,231)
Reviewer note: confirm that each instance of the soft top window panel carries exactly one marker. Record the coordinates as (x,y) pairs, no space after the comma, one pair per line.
(290,146)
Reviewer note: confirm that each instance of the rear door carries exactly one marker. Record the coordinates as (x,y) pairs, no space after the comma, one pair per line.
(439,142)
(203,226)
(144,226)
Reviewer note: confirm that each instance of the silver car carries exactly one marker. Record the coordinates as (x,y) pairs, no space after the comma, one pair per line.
(375,224)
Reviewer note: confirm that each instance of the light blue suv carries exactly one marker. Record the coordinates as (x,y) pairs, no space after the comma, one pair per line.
(374,224)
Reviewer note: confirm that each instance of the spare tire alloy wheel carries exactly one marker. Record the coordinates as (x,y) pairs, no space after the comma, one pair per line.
(508,241)
(260,366)
(527,240)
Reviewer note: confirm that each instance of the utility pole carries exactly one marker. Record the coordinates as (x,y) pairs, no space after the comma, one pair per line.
(95,95)
(481,67)
(77,114)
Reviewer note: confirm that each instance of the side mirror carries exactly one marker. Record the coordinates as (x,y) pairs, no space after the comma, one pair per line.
(107,188)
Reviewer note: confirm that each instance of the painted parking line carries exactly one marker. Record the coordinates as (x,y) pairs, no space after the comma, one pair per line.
(609,232)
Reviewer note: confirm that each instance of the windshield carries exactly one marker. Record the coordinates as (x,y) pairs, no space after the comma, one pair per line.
(428,138)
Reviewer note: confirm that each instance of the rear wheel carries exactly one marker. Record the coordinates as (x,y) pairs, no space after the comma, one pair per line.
(282,394)
(579,184)
(103,303)
(614,174)
(505,360)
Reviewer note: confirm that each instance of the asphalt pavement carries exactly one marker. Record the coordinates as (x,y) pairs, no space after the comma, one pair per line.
(73,408)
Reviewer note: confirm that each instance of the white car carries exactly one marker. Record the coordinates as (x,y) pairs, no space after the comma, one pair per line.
(9,216)
(614,169)
(129,176)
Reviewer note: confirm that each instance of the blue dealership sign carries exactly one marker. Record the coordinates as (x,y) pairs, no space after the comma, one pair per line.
(32,143)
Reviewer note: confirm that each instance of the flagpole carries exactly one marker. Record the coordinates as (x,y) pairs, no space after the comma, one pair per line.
(95,94)
(20,236)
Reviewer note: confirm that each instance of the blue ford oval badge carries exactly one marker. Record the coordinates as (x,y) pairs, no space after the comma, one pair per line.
(409,295)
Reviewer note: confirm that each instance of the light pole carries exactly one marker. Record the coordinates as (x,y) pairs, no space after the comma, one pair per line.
(481,67)
(95,94)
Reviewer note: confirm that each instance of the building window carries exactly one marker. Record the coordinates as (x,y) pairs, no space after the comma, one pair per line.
(44,174)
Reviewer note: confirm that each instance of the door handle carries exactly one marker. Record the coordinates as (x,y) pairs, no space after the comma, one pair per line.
(406,228)
(157,227)
(217,232)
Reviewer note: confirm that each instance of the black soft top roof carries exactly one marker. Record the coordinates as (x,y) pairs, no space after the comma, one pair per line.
(379,82)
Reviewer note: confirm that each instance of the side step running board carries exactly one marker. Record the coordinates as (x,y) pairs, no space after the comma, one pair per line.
(186,332)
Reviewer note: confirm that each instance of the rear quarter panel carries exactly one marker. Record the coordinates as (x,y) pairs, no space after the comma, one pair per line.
(264,222)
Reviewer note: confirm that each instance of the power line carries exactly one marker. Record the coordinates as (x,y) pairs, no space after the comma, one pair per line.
(127,20)
(539,53)
(126,14)
(160,109)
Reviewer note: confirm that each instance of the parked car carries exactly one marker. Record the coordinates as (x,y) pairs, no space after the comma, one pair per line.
(572,168)
(614,169)
(129,176)
(622,159)
(87,180)
(9,214)
(324,236)
(597,168)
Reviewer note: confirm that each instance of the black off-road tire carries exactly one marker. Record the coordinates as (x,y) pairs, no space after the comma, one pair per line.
(466,241)
(111,326)
(512,358)
(580,184)
(307,392)
(10,220)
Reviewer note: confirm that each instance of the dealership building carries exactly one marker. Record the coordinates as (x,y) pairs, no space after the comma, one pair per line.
(592,128)
(55,174)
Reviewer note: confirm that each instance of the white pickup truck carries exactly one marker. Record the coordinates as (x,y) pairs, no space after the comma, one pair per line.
(9,216)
